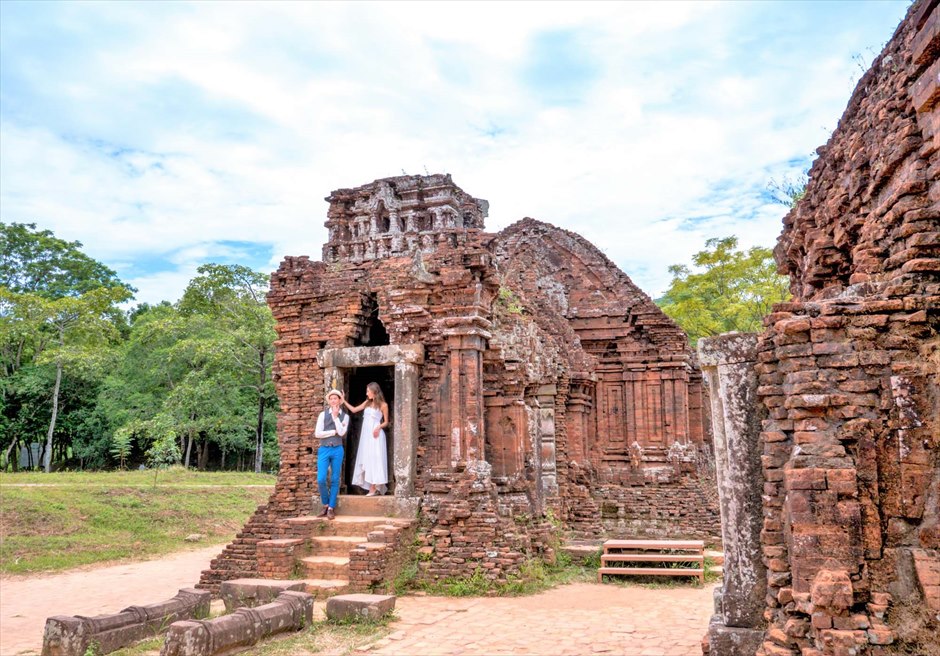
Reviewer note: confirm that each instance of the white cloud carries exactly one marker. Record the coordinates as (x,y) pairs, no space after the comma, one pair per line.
(160,134)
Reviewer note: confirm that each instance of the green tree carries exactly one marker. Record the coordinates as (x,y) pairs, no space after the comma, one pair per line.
(59,311)
(68,332)
(728,289)
(233,296)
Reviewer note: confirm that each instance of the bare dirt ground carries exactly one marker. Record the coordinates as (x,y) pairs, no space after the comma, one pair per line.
(582,618)
(26,601)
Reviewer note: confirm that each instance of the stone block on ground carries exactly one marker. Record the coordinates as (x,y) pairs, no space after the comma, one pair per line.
(581,552)
(248,593)
(732,641)
(359,606)
(290,611)
(74,636)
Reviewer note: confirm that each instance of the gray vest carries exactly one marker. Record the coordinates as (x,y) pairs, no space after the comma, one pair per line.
(330,425)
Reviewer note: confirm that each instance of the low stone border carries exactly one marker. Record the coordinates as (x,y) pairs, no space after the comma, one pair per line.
(67,635)
(290,611)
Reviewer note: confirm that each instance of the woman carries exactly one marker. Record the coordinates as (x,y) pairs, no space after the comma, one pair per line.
(371,469)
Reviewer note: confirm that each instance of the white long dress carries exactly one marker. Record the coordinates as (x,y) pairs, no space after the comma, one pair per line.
(371,463)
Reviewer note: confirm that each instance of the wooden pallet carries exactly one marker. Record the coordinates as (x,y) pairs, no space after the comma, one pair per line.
(690,552)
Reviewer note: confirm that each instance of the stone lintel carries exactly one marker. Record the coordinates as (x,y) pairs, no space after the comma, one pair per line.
(729,348)
(371,356)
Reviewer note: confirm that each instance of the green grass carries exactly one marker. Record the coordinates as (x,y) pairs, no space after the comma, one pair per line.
(90,518)
(173,476)
(324,636)
(534,576)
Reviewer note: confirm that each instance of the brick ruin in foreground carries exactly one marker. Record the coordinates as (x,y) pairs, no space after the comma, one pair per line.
(835,407)
(524,373)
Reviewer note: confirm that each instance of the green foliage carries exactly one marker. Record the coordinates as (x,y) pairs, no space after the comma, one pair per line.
(509,301)
(59,319)
(36,262)
(405,580)
(121,445)
(729,290)
(534,576)
(788,191)
(161,384)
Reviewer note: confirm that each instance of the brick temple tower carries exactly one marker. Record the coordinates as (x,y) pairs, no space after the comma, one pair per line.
(523,371)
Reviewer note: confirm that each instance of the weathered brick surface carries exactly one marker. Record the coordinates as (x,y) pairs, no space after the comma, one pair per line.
(547,381)
(850,370)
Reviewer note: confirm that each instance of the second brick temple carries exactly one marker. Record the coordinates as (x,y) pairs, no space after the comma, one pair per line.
(524,372)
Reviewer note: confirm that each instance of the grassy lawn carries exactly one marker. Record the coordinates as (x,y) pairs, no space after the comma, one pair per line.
(174,476)
(56,521)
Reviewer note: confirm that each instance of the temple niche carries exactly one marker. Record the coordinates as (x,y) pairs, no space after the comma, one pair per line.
(525,374)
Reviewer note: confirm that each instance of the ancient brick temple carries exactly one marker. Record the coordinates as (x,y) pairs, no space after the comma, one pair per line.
(524,373)
(843,545)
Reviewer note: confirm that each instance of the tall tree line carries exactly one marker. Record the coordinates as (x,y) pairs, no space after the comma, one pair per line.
(96,386)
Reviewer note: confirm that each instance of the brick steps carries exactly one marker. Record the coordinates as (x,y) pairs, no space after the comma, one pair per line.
(335,545)
(321,588)
(326,567)
(318,550)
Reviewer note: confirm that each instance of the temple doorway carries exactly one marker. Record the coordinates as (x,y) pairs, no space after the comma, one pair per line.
(358,378)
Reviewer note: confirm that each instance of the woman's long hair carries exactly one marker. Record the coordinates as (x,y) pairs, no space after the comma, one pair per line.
(378,398)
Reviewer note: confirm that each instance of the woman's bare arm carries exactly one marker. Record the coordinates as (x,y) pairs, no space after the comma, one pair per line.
(357,408)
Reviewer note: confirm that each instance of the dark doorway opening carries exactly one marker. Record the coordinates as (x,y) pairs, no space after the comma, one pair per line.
(358,378)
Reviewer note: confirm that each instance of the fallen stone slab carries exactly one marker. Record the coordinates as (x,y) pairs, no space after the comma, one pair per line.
(67,635)
(248,593)
(359,606)
(290,611)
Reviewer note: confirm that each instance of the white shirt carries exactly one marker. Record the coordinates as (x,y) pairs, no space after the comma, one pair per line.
(341,422)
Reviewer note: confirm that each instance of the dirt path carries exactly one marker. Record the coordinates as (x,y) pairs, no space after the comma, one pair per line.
(26,601)
(582,618)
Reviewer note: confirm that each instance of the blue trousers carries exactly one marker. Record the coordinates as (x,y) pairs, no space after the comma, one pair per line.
(329,461)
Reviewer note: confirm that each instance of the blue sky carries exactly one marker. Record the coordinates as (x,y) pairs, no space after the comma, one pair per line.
(166,135)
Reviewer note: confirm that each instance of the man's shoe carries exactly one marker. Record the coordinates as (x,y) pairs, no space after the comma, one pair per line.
(330,514)
(324,512)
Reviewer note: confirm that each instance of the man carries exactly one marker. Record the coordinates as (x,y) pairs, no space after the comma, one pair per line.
(332,425)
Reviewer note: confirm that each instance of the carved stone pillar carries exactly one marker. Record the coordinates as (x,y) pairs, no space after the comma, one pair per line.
(546,432)
(728,363)
(405,425)
(578,417)
(466,348)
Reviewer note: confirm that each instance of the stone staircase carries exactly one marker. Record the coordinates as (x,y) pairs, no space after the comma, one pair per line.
(318,551)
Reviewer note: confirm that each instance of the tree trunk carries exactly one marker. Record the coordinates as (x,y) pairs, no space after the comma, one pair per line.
(189,448)
(203,460)
(259,429)
(222,466)
(47,464)
(9,451)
